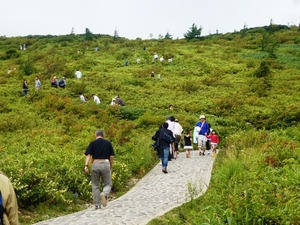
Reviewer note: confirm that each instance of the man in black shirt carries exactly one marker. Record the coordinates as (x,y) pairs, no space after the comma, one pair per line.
(102,154)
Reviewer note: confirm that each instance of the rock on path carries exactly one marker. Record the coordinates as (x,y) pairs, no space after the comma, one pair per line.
(154,195)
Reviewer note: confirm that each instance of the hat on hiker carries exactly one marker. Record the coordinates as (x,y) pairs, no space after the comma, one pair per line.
(202,117)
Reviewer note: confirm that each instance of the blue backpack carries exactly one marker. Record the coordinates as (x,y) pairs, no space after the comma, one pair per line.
(1,209)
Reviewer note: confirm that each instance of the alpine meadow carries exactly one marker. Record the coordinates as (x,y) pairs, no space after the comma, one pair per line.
(246,83)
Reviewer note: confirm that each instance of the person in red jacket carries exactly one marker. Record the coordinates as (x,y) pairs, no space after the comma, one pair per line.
(214,140)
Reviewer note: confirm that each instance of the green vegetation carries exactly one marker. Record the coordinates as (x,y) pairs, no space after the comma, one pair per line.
(246,83)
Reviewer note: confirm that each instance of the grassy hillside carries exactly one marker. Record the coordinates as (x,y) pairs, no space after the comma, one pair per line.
(246,83)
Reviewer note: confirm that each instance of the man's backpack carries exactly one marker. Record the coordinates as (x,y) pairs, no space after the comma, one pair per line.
(1,210)
(164,136)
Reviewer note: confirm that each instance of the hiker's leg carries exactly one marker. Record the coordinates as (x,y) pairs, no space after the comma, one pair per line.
(96,183)
(165,157)
(200,145)
(106,178)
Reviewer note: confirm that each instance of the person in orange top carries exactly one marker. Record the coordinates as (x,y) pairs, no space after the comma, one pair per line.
(214,139)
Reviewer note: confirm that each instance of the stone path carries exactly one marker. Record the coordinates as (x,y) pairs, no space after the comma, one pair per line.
(154,195)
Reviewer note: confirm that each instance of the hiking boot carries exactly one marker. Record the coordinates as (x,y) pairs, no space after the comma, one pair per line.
(97,207)
(103,199)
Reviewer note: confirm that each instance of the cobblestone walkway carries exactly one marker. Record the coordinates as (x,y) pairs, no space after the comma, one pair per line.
(154,195)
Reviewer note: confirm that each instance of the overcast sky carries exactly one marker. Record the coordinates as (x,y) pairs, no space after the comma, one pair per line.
(141,18)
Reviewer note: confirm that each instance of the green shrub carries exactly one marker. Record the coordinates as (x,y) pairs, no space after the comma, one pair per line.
(131,113)
(11,53)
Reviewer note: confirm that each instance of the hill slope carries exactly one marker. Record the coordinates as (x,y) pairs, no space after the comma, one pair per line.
(241,81)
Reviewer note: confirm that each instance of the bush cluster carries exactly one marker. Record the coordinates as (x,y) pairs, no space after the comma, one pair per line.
(249,96)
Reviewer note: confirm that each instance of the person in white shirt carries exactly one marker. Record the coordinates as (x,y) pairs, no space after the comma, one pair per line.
(113,101)
(78,74)
(38,83)
(177,133)
(96,99)
(155,57)
(82,98)
(171,126)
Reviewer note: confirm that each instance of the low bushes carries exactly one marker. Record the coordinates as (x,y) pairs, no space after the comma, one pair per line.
(256,182)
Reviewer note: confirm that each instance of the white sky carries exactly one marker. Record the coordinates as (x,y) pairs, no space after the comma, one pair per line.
(140,18)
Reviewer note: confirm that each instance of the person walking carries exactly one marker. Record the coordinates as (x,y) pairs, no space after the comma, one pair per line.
(214,138)
(101,152)
(8,201)
(166,141)
(25,88)
(78,74)
(177,133)
(188,144)
(156,142)
(96,99)
(54,82)
(82,98)
(203,130)
(113,101)
(62,83)
(37,83)
(171,126)
(119,101)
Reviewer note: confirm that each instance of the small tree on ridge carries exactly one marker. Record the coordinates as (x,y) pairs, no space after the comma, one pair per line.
(193,32)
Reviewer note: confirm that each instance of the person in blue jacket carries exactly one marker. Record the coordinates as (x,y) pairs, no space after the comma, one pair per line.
(203,130)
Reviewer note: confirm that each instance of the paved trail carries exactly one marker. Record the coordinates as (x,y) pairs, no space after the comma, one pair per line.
(154,195)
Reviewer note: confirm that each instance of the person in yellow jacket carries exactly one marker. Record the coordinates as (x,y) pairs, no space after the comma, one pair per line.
(9,200)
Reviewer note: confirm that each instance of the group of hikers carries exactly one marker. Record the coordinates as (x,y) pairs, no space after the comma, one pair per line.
(169,135)
(115,101)
(62,83)
(55,82)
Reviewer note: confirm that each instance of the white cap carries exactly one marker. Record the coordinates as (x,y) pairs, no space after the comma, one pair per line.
(202,117)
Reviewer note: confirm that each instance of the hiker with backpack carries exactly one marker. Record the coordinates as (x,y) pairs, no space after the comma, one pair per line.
(166,141)
(8,202)
(155,144)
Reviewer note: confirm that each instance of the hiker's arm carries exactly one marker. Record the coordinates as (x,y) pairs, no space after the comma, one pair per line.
(11,207)
(86,165)
(111,161)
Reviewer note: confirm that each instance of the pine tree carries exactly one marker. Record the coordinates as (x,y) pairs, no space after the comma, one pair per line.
(168,36)
(193,32)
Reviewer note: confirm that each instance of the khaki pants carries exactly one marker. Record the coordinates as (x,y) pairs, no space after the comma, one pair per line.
(101,170)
